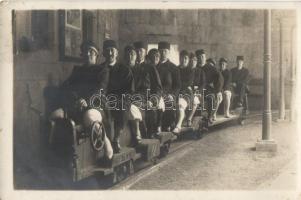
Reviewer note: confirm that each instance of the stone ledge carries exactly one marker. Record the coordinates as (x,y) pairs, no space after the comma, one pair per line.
(266,145)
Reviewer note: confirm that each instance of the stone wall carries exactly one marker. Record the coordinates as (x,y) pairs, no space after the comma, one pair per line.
(222,33)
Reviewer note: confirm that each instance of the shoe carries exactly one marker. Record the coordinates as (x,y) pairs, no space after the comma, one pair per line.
(239,104)
(210,121)
(227,116)
(204,129)
(176,130)
(157,135)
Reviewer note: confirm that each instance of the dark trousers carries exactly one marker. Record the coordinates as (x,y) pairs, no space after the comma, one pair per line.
(150,122)
(117,120)
(240,90)
(210,99)
(168,119)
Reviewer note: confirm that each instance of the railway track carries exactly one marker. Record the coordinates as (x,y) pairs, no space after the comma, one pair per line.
(177,150)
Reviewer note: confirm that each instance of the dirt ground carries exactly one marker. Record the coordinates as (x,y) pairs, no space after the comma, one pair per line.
(225,159)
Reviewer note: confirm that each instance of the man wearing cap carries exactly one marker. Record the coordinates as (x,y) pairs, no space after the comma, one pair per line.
(196,93)
(214,85)
(141,52)
(154,120)
(200,79)
(147,84)
(134,114)
(201,57)
(119,86)
(77,91)
(186,97)
(227,75)
(171,84)
(240,78)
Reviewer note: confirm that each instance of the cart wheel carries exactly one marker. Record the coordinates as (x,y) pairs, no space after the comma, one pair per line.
(97,137)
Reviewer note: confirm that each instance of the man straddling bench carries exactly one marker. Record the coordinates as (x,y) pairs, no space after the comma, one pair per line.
(76,92)
(213,84)
(164,91)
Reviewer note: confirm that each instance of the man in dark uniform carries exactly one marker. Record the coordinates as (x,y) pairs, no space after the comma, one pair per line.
(147,85)
(227,75)
(120,84)
(158,106)
(196,95)
(171,84)
(214,85)
(186,98)
(134,113)
(240,78)
(200,79)
(78,90)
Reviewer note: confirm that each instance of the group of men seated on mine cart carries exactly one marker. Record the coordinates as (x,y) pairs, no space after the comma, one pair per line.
(146,87)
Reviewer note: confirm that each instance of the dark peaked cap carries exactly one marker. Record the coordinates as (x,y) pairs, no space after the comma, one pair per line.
(129,48)
(139,45)
(223,60)
(192,55)
(163,45)
(88,44)
(240,58)
(199,52)
(184,53)
(210,60)
(109,43)
(153,51)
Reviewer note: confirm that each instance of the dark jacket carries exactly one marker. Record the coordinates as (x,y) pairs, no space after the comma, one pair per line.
(121,80)
(146,77)
(170,78)
(187,80)
(84,82)
(227,75)
(199,79)
(213,78)
(240,76)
